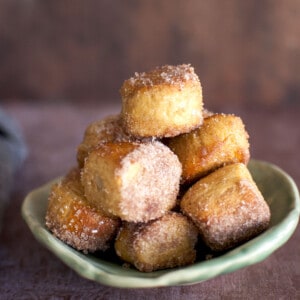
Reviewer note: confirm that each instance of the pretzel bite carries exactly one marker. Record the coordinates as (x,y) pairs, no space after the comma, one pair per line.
(227,207)
(221,140)
(166,242)
(74,221)
(164,102)
(108,129)
(134,181)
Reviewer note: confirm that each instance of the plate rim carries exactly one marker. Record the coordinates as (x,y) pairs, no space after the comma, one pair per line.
(254,251)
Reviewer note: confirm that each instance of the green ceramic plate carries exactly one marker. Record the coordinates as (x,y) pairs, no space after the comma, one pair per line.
(279,190)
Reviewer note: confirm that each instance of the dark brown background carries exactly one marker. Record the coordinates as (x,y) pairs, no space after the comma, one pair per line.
(243,51)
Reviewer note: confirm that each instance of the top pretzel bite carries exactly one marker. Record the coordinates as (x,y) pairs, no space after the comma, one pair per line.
(164,102)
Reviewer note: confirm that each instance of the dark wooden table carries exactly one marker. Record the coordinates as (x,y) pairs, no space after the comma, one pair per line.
(52,133)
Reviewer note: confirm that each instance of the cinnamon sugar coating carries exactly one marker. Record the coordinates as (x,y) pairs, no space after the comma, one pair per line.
(220,140)
(134,181)
(71,219)
(108,129)
(227,207)
(165,75)
(164,102)
(166,242)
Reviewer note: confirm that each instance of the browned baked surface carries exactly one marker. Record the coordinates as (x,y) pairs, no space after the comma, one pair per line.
(109,129)
(163,102)
(74,221)
(134,181)
(227,207)
(104,130)
(220,140)
(166,242)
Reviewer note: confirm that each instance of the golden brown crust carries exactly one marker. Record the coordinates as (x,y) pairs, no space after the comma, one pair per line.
(108,129)
(74,221)
(166,242)
(227,207)
(104,130)
(125,180)
(162,103)
(221,140)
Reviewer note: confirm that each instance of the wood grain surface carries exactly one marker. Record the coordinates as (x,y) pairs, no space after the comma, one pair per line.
(52,133)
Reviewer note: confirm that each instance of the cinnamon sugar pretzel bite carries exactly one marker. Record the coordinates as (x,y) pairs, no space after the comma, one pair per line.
(164,102)
(163,243)
(134,181)
(71,219)
(227,207)
(220,140)
(108,129)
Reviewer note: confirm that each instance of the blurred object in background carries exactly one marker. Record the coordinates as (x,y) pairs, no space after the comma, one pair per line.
(243,51)
(12,154)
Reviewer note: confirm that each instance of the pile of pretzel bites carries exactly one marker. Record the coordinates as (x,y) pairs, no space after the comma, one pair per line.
(159,179)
